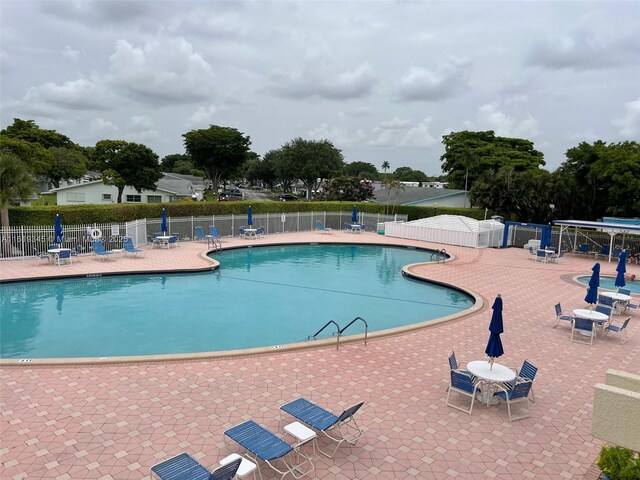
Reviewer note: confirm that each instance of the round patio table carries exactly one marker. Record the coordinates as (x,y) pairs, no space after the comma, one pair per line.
(490,375)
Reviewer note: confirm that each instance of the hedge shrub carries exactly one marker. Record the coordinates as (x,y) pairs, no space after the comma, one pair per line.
(125,212)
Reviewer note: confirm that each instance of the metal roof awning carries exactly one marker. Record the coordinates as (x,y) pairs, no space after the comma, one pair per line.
(611,228)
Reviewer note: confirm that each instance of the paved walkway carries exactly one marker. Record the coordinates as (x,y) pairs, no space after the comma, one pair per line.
(114,422)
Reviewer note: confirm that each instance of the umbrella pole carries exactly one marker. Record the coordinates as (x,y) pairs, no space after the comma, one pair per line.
(491,363)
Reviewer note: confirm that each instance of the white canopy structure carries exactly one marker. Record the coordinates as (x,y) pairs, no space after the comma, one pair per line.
(450,230)
(612,229)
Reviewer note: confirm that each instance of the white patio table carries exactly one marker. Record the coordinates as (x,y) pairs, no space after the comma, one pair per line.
(490,376)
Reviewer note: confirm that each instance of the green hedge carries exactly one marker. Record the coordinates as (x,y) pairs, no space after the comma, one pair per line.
(87,214)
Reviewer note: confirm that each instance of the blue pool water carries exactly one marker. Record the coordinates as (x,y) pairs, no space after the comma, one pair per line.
(259,296)
(608,283)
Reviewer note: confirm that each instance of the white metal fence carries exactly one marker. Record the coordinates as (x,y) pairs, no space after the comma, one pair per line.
(17,242)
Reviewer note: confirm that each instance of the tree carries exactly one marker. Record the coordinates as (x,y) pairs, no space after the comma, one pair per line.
(16,182)
(217,151)
(176,161)
(314,160)
(349,189)
(125,163)
(284,170)
(361,170)
(67,163)
(469,154)
(385,166)
(407,174)
(391,184)
(28,131)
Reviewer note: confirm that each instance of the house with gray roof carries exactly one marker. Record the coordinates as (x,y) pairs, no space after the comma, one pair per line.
(171,187)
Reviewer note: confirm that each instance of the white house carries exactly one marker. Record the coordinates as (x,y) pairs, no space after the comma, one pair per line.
(422,197)
(170,188)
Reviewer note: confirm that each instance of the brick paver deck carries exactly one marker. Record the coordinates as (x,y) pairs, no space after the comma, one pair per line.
(115,421)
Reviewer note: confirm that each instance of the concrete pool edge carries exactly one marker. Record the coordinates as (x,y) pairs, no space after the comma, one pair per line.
(140,359)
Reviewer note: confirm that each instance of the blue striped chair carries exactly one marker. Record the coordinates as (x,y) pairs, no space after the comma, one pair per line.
(517,392)
(527,372)
(185,467)
(626,291)
(583,325)
(464,384)
(560,315)
(622,329)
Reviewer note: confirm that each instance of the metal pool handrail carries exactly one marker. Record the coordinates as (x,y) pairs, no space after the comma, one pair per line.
(340,330)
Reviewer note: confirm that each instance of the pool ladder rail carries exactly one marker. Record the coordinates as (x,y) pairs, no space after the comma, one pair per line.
(214,244)
(339,331)
(439,255)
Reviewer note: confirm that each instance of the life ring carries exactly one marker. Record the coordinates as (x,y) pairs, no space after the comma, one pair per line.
(96,233)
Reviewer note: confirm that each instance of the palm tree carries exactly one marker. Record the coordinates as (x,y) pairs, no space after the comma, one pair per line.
(16,182)
(385,166)
(391,184)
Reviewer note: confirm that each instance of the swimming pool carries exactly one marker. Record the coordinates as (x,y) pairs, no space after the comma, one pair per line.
(259,296)
(608,283)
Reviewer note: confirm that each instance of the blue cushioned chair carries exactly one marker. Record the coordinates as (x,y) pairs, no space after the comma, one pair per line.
(213,231)
(604,300)
(560,315)
(629,304)
(129,247)
(200,235)
(605,309)
(321,228)
(527,372)
(185,467)
(173,241)
(99,250)
(260,231)
(517,392)
(64,256)
(583,325)
(271,449)
(338,428)
(622,330)
(464,384)
(41,257)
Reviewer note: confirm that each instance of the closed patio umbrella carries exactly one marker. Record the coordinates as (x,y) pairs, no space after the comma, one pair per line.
(494,346)
(594,283)
(354,215)
(163,227)
(58,233)
(545,237)
(250,217)
(621,269)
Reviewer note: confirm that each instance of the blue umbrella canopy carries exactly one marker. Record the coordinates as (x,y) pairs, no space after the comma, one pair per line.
(594,283)
(354,215)
(250,217)
(163,227)
(58,233)
(545,237)
(494,346)
(621,269)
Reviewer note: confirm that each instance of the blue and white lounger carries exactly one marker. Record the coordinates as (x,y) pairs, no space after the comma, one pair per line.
(338,428)
(266,446)
(185,467)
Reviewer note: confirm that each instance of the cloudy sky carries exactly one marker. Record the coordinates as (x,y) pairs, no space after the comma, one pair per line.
(382,80)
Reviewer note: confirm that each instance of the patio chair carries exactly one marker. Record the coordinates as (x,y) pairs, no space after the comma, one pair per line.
(532,254)
(64,256)
(200,235)
(185,467)
(99,250)
(527,372)
(464,384)
(76,252)
(242,232)
(606,301)
(454,365)
(260,231)
(129,247)
(41,257)
(621,329)
(557,256)
(278,454)
(583,249)
(629,304)
(517,392)
(348,227)
(604,251)
(213,231)
(606,309)
(173,241)
(541,256)
(582,326)
(337,428)
(321,228)
(560,315)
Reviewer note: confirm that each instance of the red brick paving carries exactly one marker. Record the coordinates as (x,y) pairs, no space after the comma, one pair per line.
(115,421)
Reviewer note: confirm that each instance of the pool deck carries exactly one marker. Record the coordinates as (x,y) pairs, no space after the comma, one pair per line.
(115,421)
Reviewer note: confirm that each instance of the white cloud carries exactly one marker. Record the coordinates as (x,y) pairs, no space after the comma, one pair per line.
(164,71)
(140,121)
(448,79)
(80,94)
(203,115)
(70,53)
(629,125)
(102,127)
(396,123)
(491,117)
(311,82)
(338,135)
(419,136)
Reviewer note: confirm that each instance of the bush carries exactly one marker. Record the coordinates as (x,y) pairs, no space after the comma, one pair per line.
(126,212)
(619,463)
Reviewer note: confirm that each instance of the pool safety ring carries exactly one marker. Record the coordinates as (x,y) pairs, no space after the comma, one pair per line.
(96,234)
